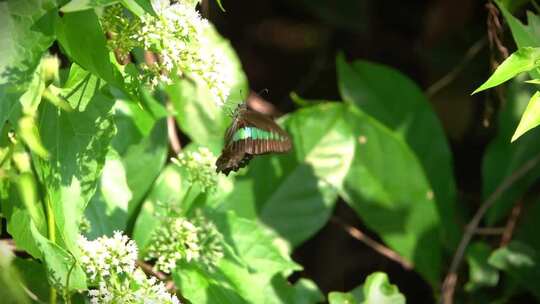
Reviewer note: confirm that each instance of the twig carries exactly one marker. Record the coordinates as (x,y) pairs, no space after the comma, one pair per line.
(511,224)
(489,230)
(450,280)
(149,270)
(450,76)
(174,141)
(380,248)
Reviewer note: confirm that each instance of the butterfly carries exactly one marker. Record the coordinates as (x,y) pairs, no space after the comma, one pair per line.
(250,133)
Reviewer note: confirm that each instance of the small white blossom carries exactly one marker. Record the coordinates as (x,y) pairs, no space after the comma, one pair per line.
(200,167)
(110,265)
(179,239)
(180,39)
(105,255)
(176,239)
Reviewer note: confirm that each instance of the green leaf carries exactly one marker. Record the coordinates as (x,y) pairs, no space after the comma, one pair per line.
(220,5)
(127,177)
(294,193)
(481,273)
(521,263)
(199,286)
(61,265)
(307,292)
(20,213)
(139,7)
(82,39)
(406,111)
(170,190)
(530,118)
(254,244)
(197,115)
(30,135)
(78,142)
(34,276)
(12,288)
(230,282)
(502,158)
(388,189)
(81,5)
(522,60)
(376,289)
(26,32)
(525,36)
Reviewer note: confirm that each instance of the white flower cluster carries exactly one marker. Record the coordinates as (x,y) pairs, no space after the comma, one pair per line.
(179,239)
(180,40)
(199,166)
(176,239)
(106,256)
(109,263)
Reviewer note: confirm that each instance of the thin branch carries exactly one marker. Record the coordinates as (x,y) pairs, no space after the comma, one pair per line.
(451,76)
(450,280)
(489,231)
(511,224)
(149,270)
(380,248)
(174,140)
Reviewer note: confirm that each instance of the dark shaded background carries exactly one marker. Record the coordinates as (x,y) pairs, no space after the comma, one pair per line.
(290,46)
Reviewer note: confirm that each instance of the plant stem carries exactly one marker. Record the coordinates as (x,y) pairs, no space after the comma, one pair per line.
(51,233)
(449,283)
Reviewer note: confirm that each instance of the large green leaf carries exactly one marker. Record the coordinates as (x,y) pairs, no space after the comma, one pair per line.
(294,193)
(522,60)
(19,216)
(376,289)
(530,118)
(34,276)
(12,288)
(82,39)
(230,282)
(254,244)
(62,268)
(503,158)
(521,262)
(138,155)
(388,189)
(78,142)
(405,109)
(26,31)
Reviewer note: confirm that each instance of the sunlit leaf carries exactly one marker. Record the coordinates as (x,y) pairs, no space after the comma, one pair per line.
(388,189)
(522,60)
(405,110)
(376,289)
(530,118)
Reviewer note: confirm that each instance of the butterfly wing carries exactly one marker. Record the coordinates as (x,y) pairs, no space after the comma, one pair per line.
(263,146)
(237,152)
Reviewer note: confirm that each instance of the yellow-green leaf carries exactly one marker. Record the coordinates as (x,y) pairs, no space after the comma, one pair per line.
(530,118)
(523,60)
